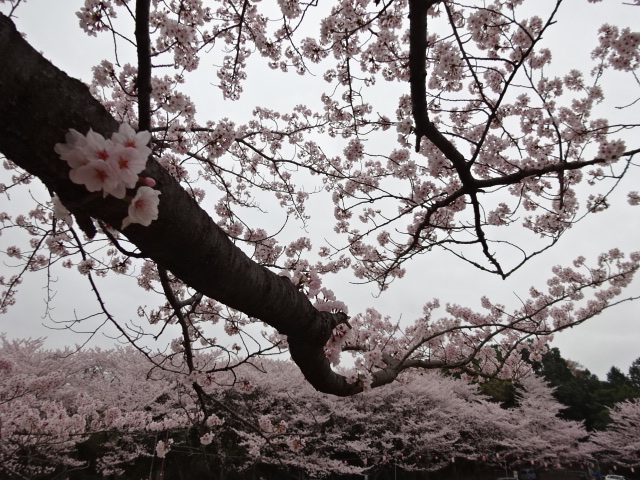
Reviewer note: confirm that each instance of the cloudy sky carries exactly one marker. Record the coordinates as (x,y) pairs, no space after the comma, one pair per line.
(610,339)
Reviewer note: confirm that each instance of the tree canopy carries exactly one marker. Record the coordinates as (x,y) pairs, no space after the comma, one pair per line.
(438,128)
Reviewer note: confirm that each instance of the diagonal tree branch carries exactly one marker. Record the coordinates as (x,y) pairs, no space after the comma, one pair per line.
(40,103)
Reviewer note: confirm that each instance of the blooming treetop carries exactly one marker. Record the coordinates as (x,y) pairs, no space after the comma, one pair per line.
(52,401)
(537,430)
(620,443)
(440,125)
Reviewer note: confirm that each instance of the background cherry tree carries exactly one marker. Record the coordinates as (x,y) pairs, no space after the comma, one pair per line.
(621,443)
(53,401)
(438,128)
(105,412)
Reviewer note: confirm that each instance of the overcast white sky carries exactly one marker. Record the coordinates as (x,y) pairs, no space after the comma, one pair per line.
(610,339)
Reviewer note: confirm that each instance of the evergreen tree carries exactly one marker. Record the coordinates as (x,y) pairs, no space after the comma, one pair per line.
(634,373)
(586,397)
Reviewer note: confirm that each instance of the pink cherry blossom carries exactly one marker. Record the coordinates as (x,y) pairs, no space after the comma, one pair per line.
(143,208)
(127,163)
(60,211)
(97,147)
(108,165)
(98,175)
(73,150)
(128,137)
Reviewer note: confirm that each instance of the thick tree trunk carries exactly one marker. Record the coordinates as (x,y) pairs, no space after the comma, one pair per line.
(39,104)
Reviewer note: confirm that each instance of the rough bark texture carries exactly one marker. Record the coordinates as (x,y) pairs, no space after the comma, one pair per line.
(39,104)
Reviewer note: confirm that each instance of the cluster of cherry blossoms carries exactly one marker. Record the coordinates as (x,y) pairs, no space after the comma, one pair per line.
(112,166)
(163,448)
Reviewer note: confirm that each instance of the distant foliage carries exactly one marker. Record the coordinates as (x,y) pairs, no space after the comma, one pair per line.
(585,397)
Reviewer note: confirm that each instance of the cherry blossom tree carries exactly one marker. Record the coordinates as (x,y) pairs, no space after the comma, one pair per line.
(440,128)
(620,443)
(538,434)
(420,423)
(37,432)
(53,401)
(113,405)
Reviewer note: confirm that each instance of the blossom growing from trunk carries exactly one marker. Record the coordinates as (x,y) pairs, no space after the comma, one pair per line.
(98,175)
(112,166)
(107,165)
(127,163)
(143,208)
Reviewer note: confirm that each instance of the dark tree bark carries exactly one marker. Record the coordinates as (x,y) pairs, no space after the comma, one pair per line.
(39,104)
